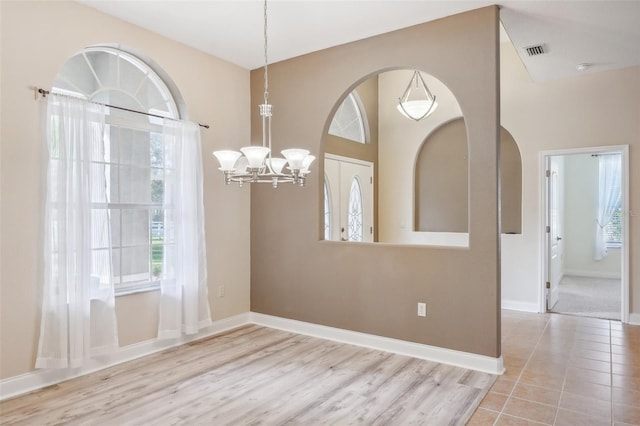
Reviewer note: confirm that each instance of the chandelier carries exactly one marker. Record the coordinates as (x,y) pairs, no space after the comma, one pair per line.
(255,164)
(417,109)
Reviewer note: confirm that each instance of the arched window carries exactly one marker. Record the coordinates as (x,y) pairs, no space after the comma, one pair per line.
(123,207)
(356,215)
(349,121)
(115,77)
(327,211)
(136,161)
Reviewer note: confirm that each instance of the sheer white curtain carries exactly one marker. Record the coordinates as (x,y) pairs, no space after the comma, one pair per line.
(78,315)
(609,197)
(184,305)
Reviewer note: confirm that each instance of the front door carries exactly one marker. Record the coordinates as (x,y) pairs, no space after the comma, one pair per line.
(350,187)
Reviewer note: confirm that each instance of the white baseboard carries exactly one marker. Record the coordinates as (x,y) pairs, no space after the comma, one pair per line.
(38,379)
(634,319)
(416,350)
(516,305)
(592,274)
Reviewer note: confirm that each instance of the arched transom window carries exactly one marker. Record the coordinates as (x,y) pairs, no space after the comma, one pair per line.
(348,121)
(115,77)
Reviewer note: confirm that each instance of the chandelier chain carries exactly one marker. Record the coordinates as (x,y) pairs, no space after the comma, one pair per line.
(254,164)
(266,61)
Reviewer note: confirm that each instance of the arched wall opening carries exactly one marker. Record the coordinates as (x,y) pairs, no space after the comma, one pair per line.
(441,181)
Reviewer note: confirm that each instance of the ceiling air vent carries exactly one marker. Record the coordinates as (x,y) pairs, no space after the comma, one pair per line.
(536,50)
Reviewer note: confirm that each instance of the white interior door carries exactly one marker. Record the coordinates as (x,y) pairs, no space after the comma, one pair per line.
(554,228)
(350,184)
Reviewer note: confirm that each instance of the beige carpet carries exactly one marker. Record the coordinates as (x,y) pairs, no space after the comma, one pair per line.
(589,297)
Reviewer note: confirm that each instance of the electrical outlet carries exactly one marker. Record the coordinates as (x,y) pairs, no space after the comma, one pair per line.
(422,309)
(221,291)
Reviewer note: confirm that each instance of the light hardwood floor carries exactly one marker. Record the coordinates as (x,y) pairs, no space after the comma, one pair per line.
(257,375)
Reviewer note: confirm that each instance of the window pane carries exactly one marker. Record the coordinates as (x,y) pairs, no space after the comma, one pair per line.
(135,227)
(97,149)
(135,186)
(100,264)
(112,134)
(347,121)
(355,219)
(98,183)
(130,76)
(112,179)
(114,216)
(156,261)
(116,255)
(149,95)
(157,154)
(157,226)
(157,186)
(135,147)
(135,264)
(105,66)
(613,231)
(100,228)
(77,71)
(169,229)
(122,100)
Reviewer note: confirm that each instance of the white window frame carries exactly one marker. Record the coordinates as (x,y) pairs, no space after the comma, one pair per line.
(136,122)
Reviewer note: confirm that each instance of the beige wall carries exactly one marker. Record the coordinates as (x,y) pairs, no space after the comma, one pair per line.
(441,182)
(37,38)
(510,185)
(591,110)
(374,288)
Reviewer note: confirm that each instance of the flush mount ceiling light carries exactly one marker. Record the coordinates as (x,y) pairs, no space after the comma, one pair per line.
(255,164)
(417,109)
(583,67)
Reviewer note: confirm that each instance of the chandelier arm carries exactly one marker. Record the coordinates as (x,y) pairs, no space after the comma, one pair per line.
(425,87)
(269,134)
(407,91)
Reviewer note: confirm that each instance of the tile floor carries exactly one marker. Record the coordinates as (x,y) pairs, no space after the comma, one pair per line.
(565,370)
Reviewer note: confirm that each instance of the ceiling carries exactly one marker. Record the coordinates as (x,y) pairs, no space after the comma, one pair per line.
(604,34)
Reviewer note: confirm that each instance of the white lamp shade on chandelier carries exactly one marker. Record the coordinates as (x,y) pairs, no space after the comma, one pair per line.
(423,106)
(227,159)
(255,164)
(418,109)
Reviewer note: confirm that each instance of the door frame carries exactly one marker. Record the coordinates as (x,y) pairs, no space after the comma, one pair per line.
(543,246)
(554,194)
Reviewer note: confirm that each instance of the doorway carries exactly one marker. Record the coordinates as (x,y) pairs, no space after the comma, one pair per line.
(585,236)
(348,199)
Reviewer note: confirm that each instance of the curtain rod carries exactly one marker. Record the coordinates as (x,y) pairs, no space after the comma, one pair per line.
(44,94)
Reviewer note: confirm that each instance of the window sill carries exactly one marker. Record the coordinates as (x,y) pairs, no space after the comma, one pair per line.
(138,289)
